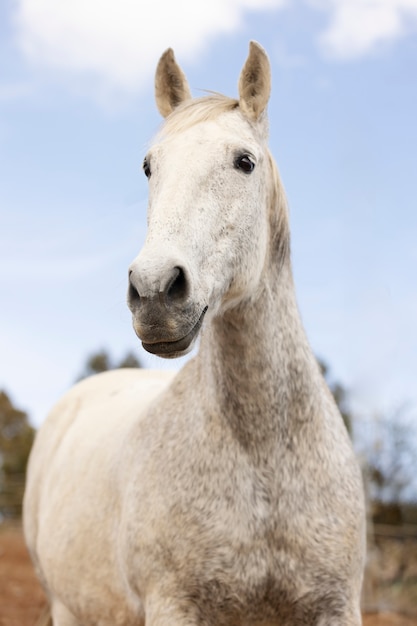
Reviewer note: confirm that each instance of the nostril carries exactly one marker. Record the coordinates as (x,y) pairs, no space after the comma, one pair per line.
(170,286)
(133,297)
(177,288)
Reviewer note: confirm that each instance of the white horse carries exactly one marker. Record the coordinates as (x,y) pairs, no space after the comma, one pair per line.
(229,493)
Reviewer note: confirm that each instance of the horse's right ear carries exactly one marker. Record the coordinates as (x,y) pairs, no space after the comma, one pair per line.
(255,82)
(171,86)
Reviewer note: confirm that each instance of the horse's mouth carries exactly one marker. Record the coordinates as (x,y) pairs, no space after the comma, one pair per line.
(174,349)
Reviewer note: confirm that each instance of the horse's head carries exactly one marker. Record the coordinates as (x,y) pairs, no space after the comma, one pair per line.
(209,216)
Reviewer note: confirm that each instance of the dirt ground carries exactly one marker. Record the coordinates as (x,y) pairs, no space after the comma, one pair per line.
(22,600)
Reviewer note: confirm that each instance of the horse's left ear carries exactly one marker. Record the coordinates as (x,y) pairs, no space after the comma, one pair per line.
(171,86)
(255,82)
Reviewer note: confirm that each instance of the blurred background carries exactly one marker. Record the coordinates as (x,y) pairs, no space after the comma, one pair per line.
(76,114)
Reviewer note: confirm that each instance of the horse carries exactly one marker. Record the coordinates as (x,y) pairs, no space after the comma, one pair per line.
(227,493)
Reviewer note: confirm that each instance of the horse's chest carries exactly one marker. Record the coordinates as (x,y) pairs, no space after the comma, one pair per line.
(221,580)
(226,544)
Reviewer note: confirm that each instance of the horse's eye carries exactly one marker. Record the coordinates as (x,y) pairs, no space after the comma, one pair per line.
(146,168)
(245,163)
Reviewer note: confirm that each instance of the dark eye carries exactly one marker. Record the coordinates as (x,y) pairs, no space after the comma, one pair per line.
(146,167)
(245,163)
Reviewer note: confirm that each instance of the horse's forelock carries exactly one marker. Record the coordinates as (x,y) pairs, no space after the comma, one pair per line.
(197,110)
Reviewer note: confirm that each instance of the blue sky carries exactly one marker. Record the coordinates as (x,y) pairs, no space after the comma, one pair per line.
(77,111)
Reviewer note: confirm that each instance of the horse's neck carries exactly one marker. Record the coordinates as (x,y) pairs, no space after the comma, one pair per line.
(257,363)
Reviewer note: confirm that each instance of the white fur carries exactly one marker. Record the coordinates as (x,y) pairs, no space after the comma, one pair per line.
(229,493)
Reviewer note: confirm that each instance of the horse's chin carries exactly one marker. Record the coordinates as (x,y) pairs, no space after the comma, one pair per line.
(169,349)
(180,347)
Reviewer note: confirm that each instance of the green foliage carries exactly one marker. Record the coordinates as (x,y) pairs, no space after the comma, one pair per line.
(101,361)
(129,360)
(16,438)
(98,363)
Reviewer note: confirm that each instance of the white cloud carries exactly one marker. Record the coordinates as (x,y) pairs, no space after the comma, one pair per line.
(118,43)
(358,27)
(114,45)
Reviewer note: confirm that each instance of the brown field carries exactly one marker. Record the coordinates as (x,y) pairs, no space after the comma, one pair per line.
(22,599)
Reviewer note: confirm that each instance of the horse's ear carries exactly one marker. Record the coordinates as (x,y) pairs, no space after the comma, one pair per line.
(171,87)
(255,82)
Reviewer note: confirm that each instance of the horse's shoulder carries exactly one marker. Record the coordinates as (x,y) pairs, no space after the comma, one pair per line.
(118,381)
(106,393)
(95,410)
(92,420)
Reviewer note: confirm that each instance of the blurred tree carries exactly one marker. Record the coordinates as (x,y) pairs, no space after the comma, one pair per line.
(97,363)
(102,362)
(129,360)
(16,438)
(388,448)
(339,394)
(391,457)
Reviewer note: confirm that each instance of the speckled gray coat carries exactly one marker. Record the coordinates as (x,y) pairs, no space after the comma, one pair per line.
(227,494)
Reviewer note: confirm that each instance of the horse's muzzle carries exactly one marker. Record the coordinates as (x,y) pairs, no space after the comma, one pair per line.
(176,347)
(166,316)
